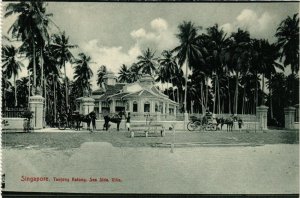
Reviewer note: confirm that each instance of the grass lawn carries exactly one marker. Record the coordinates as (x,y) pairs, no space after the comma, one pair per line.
(68,140)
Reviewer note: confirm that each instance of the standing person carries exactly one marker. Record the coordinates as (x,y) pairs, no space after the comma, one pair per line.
(240,122)
(93,119)
(127,121)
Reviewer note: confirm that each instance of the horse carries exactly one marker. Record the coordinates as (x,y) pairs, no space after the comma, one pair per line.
(78,118)
(117,118)
(227,121)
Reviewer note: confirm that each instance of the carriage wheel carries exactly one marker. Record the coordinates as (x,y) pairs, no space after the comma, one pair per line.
(62,125)
(208,127)
(191,126)
(213,127)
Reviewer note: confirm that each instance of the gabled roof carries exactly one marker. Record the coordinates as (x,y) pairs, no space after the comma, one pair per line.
(110,90)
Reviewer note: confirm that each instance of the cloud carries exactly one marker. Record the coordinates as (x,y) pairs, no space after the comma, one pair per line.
(111,57)
(159,38)
(159,24)
(140,33)
(257,24)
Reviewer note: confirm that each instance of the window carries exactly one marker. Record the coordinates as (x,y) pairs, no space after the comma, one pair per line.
(135,107)
(146,107)
(156,107)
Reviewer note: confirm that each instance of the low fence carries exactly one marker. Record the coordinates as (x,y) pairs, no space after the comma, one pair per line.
(244,117)
(135,116)
(13,112)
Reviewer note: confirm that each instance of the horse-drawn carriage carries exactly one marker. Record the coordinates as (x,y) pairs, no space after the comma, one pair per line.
(206,122)
(73,120)
(210,123)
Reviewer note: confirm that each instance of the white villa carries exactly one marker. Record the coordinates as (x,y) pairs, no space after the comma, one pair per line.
(140,98)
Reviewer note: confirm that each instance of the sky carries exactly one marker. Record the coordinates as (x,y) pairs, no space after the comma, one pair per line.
(116,33)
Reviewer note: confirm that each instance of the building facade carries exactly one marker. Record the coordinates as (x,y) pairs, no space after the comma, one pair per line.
(141,98)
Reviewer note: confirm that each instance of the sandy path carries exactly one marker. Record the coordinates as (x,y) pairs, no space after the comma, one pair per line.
(262,169)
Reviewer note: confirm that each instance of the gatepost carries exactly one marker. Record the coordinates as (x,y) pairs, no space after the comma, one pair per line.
(36,104)
(186,120)
(262,116)
(289,117)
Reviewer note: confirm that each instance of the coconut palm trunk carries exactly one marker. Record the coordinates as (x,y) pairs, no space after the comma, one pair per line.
(54,99)
(215,96)
(236,93)
(243,103)
(16,100)
(42,72)
(229,98)
(219,97)
(206,93)
(66,89)
(185,91)
(34,68)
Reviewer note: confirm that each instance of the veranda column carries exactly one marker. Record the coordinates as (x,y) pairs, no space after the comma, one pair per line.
(100,107)
(262,117)
(113,106)
(289,117)
(130,106)
(36,106)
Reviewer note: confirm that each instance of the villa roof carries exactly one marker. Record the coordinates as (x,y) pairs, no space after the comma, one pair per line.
(110,90)
(116,92)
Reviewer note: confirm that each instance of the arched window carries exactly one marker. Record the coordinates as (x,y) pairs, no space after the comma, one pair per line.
(147,107)
(135,106)
(156,107)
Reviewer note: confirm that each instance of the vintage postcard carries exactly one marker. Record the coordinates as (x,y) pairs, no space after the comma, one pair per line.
(193,98)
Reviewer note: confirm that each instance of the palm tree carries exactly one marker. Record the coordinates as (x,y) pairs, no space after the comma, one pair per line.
(11,65)
(288,39)
(22,90)
(101,73)
(83,72)
(238,58)
(30,25)
(147,62)
(188,51)
(167,66)
(6,85)
(61,51)
(124,74)
(134,73)
(217,42)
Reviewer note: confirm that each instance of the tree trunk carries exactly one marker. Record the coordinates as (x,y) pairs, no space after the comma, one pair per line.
(215,95)
(236,93)
(66,87)
(42,72)
(29,85)
(202,98)
(34,69)
(16,100)
(206,93)
(263,90)
(54,99)
(243,103)
(219,97)
(229,99)
(178,95)
(256,93)
(45,95)
(185,91)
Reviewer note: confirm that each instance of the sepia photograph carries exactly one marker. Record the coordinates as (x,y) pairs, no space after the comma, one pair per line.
(149,98)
